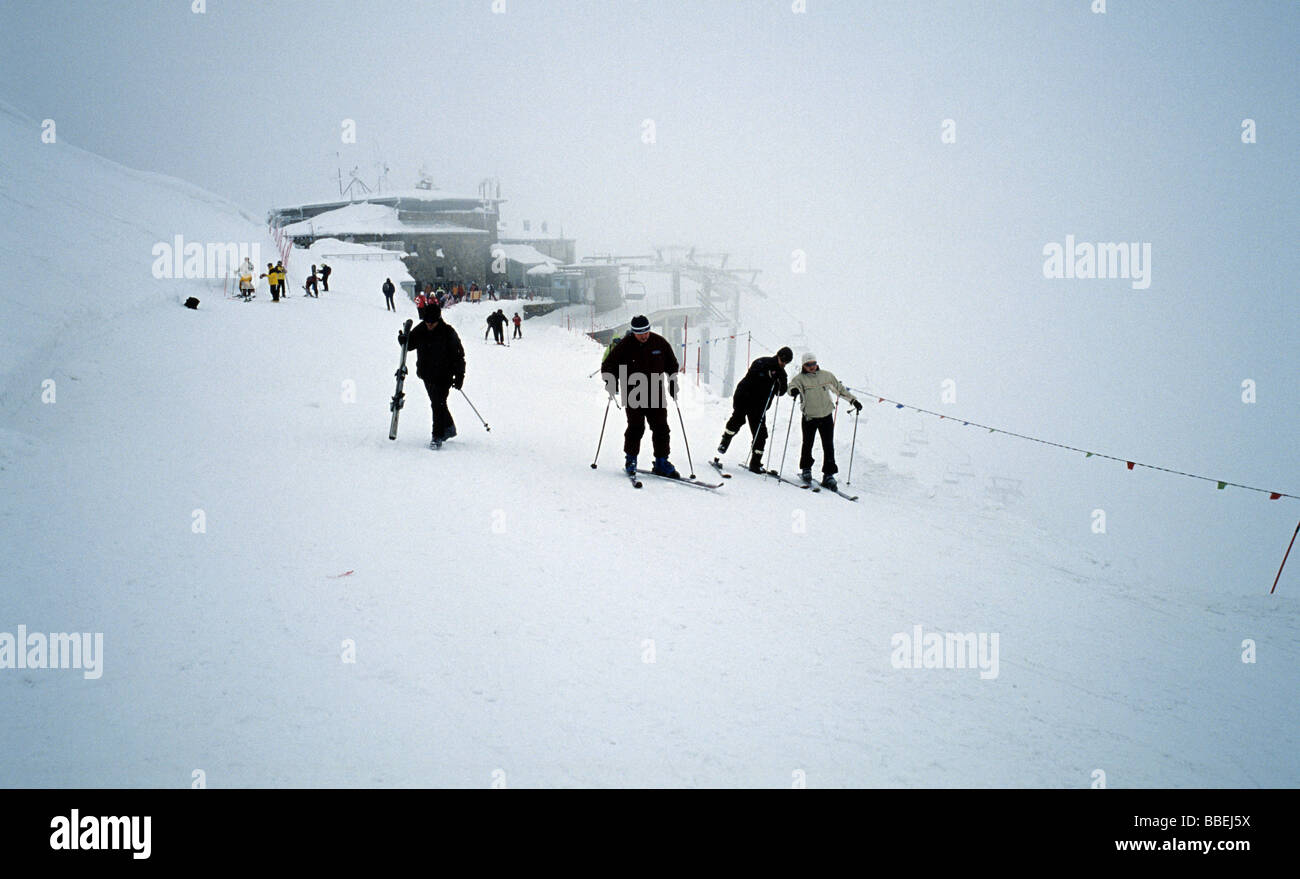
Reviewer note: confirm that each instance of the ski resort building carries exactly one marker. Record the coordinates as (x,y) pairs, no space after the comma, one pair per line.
(542,237)
(447,238)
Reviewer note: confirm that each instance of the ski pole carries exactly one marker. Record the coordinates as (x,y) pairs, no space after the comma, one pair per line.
(853,446)
(1288,552)
(684,439)
(472,406)
(753,445)
(788,425)
(602,432)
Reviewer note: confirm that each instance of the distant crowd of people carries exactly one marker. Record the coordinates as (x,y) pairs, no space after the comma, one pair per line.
(458,292)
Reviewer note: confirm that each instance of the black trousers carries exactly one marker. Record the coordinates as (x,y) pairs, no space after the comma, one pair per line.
(825,427)
(438,400)
(753,413)
(518,334)
(499,334)
(636,422)
(389,297)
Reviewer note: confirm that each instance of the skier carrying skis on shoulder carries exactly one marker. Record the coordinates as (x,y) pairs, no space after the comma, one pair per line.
(813,386)
(639,363)
(440,364)
(764,382)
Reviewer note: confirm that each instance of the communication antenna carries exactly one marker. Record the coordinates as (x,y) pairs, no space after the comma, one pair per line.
(355,181)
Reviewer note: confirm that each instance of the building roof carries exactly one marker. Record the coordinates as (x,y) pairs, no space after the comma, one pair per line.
(428,196)
(524,254)
(365,218)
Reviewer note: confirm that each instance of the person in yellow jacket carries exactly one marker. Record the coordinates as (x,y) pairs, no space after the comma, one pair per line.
(273,281)
(813,386)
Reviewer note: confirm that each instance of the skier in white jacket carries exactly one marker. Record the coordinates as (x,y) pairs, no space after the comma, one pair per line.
(812,386)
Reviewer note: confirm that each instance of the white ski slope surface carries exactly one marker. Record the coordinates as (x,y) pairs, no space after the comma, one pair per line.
(517,616)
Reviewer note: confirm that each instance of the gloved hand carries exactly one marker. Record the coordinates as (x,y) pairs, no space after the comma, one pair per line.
(457,382)
(857,405)
(401,337)
(794,392)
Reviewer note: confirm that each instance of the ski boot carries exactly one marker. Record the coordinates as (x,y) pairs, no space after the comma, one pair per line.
(662,467)
(805,476)
(451,431)
(629,466)
(726,442)
(756,462)
(828,482)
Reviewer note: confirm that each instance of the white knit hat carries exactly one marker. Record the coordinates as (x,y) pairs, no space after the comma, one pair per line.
(808,357)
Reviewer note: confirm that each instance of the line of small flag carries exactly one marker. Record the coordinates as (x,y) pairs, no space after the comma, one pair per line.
(1219,483)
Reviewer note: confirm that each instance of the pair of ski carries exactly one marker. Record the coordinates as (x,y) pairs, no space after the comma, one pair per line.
(810,486)
(681,480)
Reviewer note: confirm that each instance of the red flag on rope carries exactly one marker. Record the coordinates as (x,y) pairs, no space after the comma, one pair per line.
(1130,464)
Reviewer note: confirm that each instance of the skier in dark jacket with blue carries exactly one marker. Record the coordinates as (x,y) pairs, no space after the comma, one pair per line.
(765,381)
(440,365)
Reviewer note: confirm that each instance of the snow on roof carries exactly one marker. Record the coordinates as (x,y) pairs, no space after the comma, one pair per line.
(545,268)
(524,254)
(432,196)
(332,247)
(364,218)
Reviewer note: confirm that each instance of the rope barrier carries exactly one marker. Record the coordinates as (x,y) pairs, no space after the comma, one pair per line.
(1220,483)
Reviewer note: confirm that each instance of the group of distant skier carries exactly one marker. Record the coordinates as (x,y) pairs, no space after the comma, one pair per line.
(458,292)
(642,366)
(497,321)
(275,275)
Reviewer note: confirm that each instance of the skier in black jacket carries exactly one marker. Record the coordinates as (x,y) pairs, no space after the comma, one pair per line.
(764,382)
(389,290)
(639,362)
(440,365)
(496,322)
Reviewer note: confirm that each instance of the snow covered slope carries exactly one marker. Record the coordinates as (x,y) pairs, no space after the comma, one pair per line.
(515,615)
(78,237)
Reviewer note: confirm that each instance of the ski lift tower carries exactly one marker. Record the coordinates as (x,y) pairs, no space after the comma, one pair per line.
(718,292)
